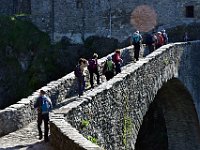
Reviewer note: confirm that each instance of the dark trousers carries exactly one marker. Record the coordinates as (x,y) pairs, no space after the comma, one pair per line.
(117,68)
(151,48)
(158,46)
(81,85)
(45,118)
(92,72)
(109,75)
(137,51)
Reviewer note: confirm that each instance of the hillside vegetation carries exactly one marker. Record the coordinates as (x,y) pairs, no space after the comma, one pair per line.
(28,61)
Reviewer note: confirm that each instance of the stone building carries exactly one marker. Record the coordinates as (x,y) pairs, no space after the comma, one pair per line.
(10,7)
(78,19)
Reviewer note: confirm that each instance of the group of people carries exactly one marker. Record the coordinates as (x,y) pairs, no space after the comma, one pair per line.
(111,66)
(152,40)
(113,63)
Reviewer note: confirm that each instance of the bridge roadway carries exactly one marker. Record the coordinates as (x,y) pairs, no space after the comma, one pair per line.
(27,137)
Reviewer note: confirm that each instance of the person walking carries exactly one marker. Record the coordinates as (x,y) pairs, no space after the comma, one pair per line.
(165,36)
(116,58)
(150,42)
(44,105)
(186,37)
(160,40)
(108,68)
(93,69)
(80,75)
(136,41)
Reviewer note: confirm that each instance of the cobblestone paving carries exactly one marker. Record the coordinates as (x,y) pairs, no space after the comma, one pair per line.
(24,139)
(27,137)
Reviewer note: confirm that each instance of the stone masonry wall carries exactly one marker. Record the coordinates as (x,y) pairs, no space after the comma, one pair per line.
(10,7)
(41,12)
(189,72)
(6,7)
(20,114)
(79,19)
(113,112)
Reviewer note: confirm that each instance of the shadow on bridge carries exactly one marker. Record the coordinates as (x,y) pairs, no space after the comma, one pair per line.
(33,146)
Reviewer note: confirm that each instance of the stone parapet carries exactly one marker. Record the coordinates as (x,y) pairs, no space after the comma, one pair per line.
(20,114)
(111,114)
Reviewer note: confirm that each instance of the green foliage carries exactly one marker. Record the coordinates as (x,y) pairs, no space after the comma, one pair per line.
(127,130)
(22,35)
(29,61)
(100,45)
(127,126)
(166,61)
(85,123)
(21,43)
(92,139)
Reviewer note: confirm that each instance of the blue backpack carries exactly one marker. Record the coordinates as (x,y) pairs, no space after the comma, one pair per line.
(45,105)
(136,38)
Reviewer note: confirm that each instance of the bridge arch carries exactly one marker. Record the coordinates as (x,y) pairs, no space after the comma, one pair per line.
(171,121)
(114,110)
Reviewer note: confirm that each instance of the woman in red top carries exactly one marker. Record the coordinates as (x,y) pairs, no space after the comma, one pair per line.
(118,61)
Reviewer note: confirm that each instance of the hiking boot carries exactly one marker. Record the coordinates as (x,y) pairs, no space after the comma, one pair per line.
(40,137)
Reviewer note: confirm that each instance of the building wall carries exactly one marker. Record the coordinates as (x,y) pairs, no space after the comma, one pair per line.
(10,7)
(79,19)
(6,7)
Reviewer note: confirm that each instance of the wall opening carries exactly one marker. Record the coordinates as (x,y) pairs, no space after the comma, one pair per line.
(79,4)
(189,11)
(153,133)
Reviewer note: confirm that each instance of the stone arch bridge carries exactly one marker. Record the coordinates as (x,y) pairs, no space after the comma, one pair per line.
(111,114)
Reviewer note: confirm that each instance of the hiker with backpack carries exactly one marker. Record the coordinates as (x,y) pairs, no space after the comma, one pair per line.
(108,68)
(44,105)
(80,75)
(165,37)
(93,69)
(160,40)
(150,42)
(116,58)
(136,40)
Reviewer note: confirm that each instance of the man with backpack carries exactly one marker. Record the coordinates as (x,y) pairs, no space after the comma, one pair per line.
(136,41)
(108,68)
(80,75)
(43,104)
(93,69)
(150,42)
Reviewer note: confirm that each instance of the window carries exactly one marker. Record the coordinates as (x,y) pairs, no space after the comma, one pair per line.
(79,4)
(189,11)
